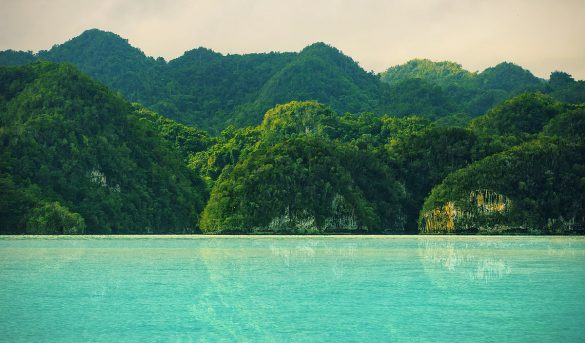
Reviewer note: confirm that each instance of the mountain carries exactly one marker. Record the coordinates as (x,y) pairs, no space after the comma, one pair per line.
(421,97)
(534,188)
(206,88)
(563,87)
(77,158)
(110,59)
(444,74)
(319,72)
(526,113)
(211,90)
(11,57)
(530,181)
(509,78)
(295,179)
(471,93)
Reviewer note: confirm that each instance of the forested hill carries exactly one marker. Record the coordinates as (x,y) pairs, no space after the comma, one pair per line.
(518,169)
(475,93)
(77,158)
(212,91)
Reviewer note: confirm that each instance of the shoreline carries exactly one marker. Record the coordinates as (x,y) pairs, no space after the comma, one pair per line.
(307,237)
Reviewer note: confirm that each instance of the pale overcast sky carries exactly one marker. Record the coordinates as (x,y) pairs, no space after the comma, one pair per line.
(540,35)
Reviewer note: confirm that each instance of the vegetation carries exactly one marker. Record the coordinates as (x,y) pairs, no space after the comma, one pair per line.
(303,167)
(569,124)
(212,91)
(303,185)
(524,114)
(535,188)
(76,158)
(475,93)
(425,147)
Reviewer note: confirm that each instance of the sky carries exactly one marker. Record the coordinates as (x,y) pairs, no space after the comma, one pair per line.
(540,35)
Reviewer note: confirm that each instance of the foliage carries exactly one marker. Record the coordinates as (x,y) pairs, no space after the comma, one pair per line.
(524,114)
(207,89)
(570,124)
(302,180)
(230,146)
(294,118)
(345,151)
(443,74)
(475,93)
(11,57)
(423,159)
(536,187)
(212,91)
(322,73)
(420,97)
(65,138)
(508,77)
(186,139)
(563,87)
(53,218)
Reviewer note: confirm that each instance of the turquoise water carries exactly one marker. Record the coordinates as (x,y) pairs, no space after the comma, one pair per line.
(281,289)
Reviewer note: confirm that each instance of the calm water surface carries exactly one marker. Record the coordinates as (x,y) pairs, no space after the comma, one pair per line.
(281,289)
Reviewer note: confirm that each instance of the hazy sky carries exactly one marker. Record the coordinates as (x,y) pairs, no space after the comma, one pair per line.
(540,35)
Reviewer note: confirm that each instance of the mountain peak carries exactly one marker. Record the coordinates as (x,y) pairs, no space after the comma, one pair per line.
(329,54)
(437,72)
(199,54)
(320,48)
(508,76)
(97,34)
(92,41)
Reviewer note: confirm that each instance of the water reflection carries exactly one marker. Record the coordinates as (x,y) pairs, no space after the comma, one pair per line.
(490,269)
(305,251)
(475,260)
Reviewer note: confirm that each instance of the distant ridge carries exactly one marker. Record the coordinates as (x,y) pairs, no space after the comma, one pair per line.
(211,90)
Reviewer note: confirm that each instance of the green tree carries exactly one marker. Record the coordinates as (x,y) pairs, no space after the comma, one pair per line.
(53,218)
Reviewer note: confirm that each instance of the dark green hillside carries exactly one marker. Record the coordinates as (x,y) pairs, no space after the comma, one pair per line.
(367,132)
(186,139)
(305,170)
(229,146)
(508,77)
(14,58)
(425,158)
(570,125)
(319,72)
(472,93)
(563,87)
(422,98)
(535,188)
(304,185)
(303,142)
(110,59)
(281,122)
(523,114)
(75,157)
(206,88)
(212,91)
(443,74)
